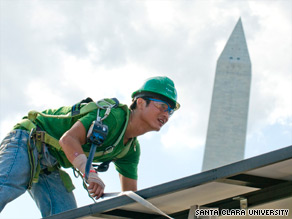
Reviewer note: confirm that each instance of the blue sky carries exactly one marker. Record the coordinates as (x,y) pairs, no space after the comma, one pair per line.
(55,53)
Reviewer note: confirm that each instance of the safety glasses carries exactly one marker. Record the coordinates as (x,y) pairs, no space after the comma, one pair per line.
(162,105)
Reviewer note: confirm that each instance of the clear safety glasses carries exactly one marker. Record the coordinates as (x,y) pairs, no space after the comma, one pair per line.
(162,105)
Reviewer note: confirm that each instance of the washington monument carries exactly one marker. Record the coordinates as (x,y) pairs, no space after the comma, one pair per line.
(227,126)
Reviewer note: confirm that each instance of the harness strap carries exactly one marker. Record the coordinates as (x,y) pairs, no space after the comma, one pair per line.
(28,124)
(76,108)
(66,179)
(32,115)
(49,170)
(36,140)
(125,150)
(38,137)
(41,136)
(32,161)
(111,148)
(35,164)
(77,173)
(48,139)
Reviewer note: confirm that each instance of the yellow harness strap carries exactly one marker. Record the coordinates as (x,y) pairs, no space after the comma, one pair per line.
(43,137)
(38,138)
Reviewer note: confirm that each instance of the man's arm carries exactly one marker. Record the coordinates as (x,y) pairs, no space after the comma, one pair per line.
(71,143)
(128,184)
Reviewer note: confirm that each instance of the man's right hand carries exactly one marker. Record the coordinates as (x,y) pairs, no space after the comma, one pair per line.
(96,185)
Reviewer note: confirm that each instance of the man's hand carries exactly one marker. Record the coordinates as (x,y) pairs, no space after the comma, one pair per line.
(96,185)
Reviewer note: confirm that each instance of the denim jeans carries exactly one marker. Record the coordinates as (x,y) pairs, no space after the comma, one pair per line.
(49,193)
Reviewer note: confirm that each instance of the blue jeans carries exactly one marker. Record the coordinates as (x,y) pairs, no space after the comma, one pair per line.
(49,193)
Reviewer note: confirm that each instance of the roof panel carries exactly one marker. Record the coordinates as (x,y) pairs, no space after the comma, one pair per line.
(265,181)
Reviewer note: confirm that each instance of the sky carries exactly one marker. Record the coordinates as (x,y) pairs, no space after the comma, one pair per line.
(56,53)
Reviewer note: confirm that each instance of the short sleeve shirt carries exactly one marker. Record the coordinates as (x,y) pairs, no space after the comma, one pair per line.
(116,121)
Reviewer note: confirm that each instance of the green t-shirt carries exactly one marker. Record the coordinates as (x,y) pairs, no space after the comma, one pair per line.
(116,120)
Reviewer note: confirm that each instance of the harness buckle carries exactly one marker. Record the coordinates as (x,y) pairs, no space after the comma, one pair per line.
(109,150)
(40,136)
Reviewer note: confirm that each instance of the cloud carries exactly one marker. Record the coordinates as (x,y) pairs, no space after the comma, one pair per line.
(56,53)
(270,50)
(99,49)
(184,132)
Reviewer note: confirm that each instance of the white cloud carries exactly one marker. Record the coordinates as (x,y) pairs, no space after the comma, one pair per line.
(99,81)
(40,95)
(54,53)
(270,51)
(184,131)
(71,48)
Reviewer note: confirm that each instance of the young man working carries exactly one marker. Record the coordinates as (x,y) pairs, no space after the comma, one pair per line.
(30,158)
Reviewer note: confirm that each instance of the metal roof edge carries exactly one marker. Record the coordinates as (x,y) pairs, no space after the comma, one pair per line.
(183,183)
(219,172)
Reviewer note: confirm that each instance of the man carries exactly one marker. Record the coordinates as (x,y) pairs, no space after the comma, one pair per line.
(30,158)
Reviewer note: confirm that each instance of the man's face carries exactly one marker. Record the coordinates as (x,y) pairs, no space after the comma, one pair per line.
(155,115)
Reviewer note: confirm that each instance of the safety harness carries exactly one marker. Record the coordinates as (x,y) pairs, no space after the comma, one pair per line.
(96,136)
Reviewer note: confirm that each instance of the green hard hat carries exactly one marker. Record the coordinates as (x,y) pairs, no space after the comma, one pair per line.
(159,86)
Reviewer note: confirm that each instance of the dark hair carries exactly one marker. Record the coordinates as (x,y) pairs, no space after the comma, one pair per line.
(134,103)
(156,96)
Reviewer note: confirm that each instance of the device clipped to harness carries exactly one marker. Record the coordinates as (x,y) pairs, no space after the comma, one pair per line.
(98,132)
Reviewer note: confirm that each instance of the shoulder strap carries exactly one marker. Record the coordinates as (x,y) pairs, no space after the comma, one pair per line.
(125,150)
(29,123)
(111,148)
(32,115)
(76,110)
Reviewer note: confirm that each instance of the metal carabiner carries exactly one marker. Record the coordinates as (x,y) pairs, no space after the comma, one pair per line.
(108,106)
(31,139)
